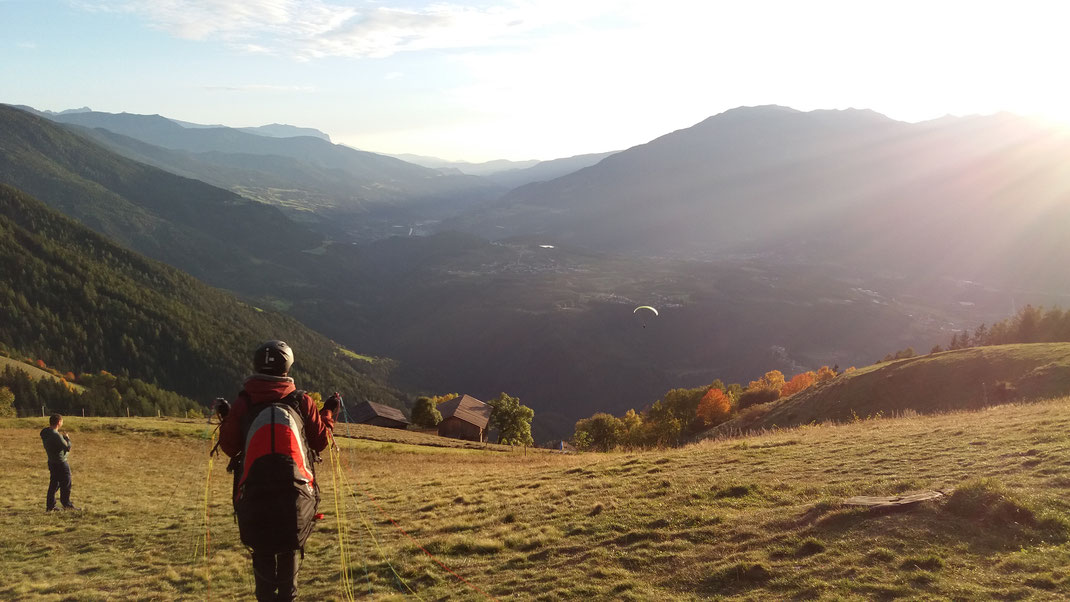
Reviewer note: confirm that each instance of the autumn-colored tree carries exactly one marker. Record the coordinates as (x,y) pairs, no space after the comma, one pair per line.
(798,383)
(772,381)
(41,364)
(714,408)
(632,429)
(825,373)
(437,399)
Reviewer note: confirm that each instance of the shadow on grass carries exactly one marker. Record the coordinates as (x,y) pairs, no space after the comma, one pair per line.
(736,577)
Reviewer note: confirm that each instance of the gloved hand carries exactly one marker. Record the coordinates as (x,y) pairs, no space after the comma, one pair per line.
(333,403)
(222,407)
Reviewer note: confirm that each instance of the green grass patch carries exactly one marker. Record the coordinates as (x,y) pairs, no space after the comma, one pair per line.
(757,522)
(356,356)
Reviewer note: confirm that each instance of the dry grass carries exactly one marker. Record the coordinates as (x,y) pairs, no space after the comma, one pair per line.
(750,519)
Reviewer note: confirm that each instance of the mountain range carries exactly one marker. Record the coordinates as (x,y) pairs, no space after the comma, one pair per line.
(333,186)
(851,188)
(216,235)
(768,238)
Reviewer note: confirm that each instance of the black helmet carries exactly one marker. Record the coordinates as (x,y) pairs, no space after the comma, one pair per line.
(274,358)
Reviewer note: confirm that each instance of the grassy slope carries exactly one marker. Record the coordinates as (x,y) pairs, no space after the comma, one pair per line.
(34,372)
(943,381)
(755,518)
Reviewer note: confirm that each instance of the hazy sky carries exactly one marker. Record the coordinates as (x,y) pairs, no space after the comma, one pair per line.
(528,79)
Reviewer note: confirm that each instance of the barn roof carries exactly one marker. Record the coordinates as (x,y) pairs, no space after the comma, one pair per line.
(468,409)
(366,411)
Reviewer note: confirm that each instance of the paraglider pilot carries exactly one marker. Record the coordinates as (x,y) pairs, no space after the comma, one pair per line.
(275,433)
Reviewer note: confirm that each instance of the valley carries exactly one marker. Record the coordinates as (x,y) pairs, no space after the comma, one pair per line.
(385,275)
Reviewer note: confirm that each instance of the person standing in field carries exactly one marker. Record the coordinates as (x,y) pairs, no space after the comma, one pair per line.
(57,445)
(273,434)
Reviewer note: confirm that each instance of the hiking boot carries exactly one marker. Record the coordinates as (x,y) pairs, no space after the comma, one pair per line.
(51,509)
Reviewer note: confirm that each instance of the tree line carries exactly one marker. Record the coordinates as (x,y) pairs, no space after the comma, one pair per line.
(100,394)
(683,413)
(1030,325)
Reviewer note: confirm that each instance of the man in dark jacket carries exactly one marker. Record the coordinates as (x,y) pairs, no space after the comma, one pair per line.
(57,445)
(275,573)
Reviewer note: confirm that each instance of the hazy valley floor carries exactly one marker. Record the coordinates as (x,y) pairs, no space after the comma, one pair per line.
(756,518)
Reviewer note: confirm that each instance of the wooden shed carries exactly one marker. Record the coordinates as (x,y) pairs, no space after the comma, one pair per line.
(377,414)
(464,418)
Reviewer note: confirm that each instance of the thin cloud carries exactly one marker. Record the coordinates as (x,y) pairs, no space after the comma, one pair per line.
(309,29)
(26,45)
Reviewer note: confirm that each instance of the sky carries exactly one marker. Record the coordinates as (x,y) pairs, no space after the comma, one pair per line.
(529,79)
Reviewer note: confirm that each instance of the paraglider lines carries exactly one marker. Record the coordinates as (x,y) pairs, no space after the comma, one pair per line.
(207,526)
(371,533)
(347,587)
(386,515)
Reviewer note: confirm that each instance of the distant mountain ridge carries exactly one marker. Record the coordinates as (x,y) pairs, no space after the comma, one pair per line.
(545,170)
(308,177)
(209,232)
(273,130)
(842,186)
(484,168)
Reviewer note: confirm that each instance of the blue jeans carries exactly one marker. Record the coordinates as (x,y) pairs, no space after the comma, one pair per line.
(60,478)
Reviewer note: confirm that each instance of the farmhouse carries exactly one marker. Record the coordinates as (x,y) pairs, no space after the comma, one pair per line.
(377,414)
(464,418)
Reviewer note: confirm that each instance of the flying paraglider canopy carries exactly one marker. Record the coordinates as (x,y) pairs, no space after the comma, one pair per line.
(641,311)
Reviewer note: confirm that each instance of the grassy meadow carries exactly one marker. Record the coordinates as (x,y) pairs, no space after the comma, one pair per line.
(756,518)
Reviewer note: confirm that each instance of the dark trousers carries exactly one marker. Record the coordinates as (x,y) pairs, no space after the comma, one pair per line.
(276,575)
(59,478)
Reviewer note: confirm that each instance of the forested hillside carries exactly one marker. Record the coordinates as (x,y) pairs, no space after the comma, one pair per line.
(74,299)
(211,233)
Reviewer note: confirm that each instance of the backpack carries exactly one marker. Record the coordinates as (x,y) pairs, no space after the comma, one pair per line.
(275,488)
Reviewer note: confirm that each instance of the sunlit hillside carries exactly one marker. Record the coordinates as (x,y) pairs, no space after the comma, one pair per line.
(937,382)
(758,518)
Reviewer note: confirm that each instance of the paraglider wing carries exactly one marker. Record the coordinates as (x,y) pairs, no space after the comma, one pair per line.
(636,310)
